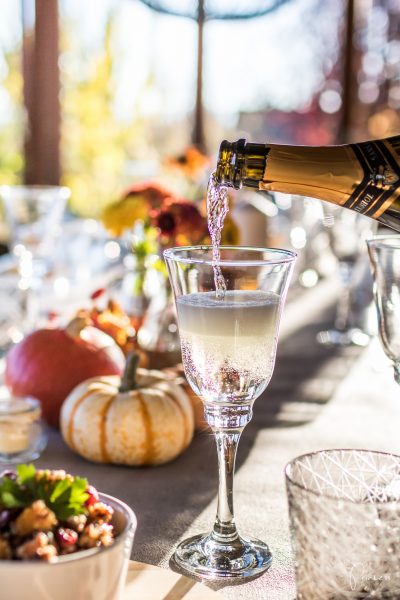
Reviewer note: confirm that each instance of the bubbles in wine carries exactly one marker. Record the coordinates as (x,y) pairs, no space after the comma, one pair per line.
(228,344)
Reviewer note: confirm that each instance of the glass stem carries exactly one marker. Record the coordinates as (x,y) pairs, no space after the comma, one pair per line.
(396,366)
(224,530)
(342,320)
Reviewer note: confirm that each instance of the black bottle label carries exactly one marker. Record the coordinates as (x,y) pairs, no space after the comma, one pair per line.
(380,184)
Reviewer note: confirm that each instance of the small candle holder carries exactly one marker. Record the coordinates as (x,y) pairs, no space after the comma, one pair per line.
(23,435)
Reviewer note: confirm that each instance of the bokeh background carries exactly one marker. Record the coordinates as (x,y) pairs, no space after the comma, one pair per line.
(98,94)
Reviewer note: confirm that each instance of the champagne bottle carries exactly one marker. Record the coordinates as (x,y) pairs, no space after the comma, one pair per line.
(363,177)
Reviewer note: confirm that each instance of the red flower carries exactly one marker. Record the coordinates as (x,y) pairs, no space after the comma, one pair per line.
(177,217)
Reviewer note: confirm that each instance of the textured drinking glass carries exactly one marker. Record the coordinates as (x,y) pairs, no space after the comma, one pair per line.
(228,352)
(344,509)
(384,254)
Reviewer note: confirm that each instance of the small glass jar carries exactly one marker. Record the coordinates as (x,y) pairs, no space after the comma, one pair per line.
(23,435)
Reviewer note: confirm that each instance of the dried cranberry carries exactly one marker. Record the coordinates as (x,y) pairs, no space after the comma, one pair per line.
(98,293)
(66,537)
(93,495)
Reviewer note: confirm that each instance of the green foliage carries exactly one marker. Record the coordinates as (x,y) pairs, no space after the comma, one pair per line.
(95,144)
(145,245)
(11,130)
(65,497)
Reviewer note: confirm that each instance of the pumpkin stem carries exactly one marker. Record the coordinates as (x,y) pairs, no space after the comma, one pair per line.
(75,326)
(128,379)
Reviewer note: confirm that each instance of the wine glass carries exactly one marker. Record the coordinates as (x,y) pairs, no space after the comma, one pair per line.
(228,352)
(347,232)
(384,254)
(33,214)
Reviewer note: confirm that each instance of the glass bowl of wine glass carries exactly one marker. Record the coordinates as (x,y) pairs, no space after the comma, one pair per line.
(384,255)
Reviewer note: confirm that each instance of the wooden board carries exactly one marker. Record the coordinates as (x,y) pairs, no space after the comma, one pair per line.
(147,582)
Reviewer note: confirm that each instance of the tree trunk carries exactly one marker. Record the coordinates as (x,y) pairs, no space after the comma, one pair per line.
(41,91)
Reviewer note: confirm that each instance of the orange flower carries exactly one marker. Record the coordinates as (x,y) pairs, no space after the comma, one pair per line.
(191,163)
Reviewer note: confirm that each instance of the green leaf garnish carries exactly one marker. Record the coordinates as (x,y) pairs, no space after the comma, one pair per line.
(25,473)
(65,497)
(10,501)
(11,495)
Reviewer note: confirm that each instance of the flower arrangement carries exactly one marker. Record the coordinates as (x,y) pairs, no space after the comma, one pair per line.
(151,217)
(167,219)
(154,218)
(175,220)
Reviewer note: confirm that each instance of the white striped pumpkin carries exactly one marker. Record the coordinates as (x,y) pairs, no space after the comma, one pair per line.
(148,425)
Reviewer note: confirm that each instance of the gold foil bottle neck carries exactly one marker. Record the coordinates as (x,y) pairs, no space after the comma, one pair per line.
(241,164)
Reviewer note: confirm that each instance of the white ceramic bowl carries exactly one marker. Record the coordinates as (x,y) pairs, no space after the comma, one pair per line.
(95,574)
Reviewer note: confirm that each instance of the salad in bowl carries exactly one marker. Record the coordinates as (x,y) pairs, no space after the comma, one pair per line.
(54,525)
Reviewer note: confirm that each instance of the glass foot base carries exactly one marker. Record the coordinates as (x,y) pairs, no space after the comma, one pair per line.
(203,556)
(352,337)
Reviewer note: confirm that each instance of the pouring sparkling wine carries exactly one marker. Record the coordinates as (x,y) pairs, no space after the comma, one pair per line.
(229,303)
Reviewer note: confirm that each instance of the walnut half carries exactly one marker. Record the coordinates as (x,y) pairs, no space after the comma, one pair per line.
(36,517)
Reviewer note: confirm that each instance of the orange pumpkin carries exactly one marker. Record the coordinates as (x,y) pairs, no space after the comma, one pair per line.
(177,373)
(143,419)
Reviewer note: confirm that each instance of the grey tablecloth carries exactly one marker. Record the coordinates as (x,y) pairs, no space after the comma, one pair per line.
(318,398)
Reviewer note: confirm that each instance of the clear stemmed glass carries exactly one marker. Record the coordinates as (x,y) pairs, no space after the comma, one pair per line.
(347,232)
(33,214)
(384,254)
(228,352)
